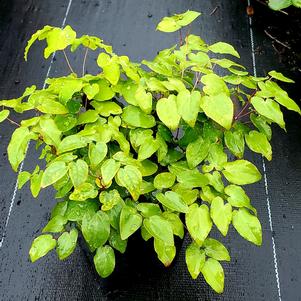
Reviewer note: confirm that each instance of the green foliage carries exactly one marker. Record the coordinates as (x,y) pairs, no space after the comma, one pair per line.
(281,4)
(147,146)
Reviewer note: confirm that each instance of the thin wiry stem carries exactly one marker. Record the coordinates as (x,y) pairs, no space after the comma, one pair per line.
(68,63)
(84,61)
(13,122)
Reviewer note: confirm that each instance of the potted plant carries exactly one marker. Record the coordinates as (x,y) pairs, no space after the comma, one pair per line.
(156,147)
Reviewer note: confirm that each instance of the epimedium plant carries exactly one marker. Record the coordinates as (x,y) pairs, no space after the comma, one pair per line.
(156,147)
(281,4)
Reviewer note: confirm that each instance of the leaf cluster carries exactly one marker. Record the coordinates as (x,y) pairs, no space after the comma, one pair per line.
(156,147)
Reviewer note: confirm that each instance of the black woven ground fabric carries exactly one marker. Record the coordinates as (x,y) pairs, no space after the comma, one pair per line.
(271,272)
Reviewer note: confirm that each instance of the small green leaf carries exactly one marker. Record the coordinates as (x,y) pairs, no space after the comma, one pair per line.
(104,261)
(91,90)
(109,169)
(223,48)
(279,4)
(217,157)
(219,108)
(192,178)
(172,201)
(187,194)
(214,85)
(3,115)
(237,197)
(259,143)
(148,148)
(241,172)
(66,244)
(269,109)
(159,228)
(235,143)
(71,142)
(41,246)
(261,123)
(176,223)
(216,250)
(35,183)
(65,123)
(78,172)
(96,229)
(97,152)
(247,225)
(130,222)
(116,242)
(109,199)
(280,76)
(53,173)
(135,117)
(195,259)
(214,274)
(89,116)
(198,222)
(83,192)
(188,105)
(106,108)
(23,178)
(197,151)
(105,91)
(130,177)
(56,224)
(221,214)
(168,24)
(76,210)
(167,112)
(165,252)
(164,180)
(148,209)
(17,146)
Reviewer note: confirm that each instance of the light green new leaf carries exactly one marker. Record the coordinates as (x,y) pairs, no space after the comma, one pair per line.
(172,201)
(105,91)
(219,108)
(144,100)
(96,229)
(247,225)
(130,177)
(53,173)
(109,169)
(83,192)
(23,178)
(280,76)
(38,35)
(187,194)
(214,274)
(238,197)
(223,48)
(35,183)
(168,24)
(261,123)
(17,146)
(78,172)
(148,209)
(258,143)
(235,143)
(97,152)
(91,90)
(116,242)
(106,108)
(56,224)
(66,244)
(188,105)
(269,109)
(89,116)
(164,180)
(160,229)
(221,214)
(241,172)
(198,222)
(50,132)
(165,252)
(192,178)
(3,115)
(214,85)
(130,222)
(65,123)
(279,4)
(167,112)
(104,261)
(148,148)
(41,246)
(135,117)
(71,142)
(197,151)
(195,259)
(216,250)
(176,223)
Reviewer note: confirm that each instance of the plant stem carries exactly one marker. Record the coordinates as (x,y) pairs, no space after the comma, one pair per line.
(246,114)
(13,122)
(197,79)
(84,61)
(68,63)
(245,106)
(181,38)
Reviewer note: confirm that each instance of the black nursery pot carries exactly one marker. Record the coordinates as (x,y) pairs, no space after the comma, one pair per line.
(137,267)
